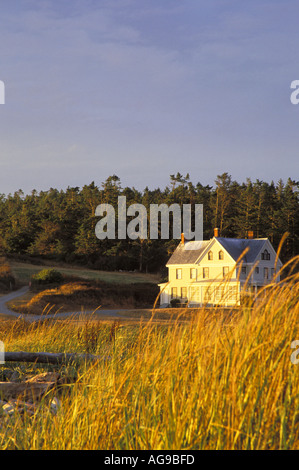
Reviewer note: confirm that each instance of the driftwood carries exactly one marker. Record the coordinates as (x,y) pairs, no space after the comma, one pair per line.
(33,388)
(26,390)
(49,358)
(21,406)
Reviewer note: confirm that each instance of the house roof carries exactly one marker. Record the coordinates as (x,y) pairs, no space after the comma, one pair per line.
(189,252)
(236,246)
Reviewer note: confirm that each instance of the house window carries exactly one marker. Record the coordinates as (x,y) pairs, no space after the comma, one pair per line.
(232,293)
(221,254)
(205,273)
(243,269)
(207,294)
(174,293)
(183,292)
(257,270)
(272,272)
(265,255)
(225,271)
(192,273)
(210,255)
(194,294)
(219,293)
(179,273)
(266,273)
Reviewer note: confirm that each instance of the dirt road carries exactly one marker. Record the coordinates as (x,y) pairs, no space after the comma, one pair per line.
(4,310)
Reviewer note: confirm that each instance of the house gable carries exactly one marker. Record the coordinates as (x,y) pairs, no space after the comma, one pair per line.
(269,248)
(214,247)
(241,249)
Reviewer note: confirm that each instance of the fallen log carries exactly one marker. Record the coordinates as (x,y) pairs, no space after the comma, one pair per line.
(50,358)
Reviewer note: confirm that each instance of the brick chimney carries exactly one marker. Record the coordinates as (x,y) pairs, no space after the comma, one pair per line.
(182,239)
(216,232)
(250,234)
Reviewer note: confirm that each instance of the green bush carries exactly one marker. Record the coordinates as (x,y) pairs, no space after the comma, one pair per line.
(175,303)
(47,276)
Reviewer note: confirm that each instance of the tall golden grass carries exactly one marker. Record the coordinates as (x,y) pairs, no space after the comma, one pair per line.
(217,381)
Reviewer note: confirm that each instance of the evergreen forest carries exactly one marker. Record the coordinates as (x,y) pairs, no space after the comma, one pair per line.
(60,224)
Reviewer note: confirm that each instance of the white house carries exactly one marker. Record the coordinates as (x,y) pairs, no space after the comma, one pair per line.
(218,271)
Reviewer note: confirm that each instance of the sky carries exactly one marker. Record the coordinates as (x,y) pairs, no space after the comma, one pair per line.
(147,88)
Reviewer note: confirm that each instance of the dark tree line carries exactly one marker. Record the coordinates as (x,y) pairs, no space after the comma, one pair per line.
(60,225)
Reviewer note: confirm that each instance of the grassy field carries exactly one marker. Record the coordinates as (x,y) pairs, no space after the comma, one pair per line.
(85,296)
(84,289)
(214,382)
(24,271)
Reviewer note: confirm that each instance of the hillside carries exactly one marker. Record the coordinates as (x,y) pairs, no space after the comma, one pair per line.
(82,289)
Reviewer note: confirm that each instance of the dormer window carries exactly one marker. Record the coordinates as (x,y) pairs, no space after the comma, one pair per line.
(265,255)
(210,255)
(221,254)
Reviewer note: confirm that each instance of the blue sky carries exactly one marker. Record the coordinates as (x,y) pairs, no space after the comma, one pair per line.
(144,89)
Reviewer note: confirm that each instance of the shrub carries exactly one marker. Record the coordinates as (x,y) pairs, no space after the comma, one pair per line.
(47,276)
(175,303)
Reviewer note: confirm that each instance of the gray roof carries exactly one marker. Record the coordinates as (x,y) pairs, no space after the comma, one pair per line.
(236,246)
(191,251)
